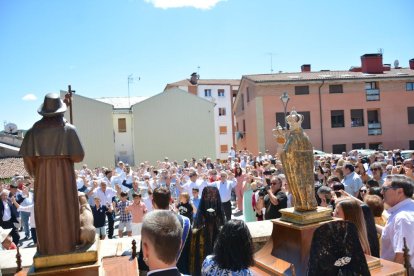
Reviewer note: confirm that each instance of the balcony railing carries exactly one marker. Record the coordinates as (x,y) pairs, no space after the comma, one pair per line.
(372,94)
(374,128)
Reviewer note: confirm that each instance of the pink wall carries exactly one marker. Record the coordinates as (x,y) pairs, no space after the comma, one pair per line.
(394,100)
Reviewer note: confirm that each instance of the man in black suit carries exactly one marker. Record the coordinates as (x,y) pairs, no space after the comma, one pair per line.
(8,216)
(161,241)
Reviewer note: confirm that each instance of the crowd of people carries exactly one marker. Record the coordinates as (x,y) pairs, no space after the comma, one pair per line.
(374,192)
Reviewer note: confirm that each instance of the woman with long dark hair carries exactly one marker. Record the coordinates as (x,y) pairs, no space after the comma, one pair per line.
(207,224)
(233,251)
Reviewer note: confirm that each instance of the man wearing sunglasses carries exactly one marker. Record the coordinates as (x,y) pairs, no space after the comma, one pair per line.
(275,199)
(398,191)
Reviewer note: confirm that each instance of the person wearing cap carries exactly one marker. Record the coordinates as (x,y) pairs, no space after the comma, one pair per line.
(120,168)
(8,215)
(6,240)
(50,149)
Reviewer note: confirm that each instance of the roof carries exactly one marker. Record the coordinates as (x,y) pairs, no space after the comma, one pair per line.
(186,82)
(13,148)
(176,90)
(328,75)
(121,102)
(11,166)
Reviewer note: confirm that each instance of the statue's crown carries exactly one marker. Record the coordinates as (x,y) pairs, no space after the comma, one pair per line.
(294,119)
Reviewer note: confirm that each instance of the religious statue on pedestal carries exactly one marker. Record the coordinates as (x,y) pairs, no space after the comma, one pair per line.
(296,154)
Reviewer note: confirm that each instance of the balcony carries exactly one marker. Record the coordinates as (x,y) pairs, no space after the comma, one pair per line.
(372,94)
(374,128)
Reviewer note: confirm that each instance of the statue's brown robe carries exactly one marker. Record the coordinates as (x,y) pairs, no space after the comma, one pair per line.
(49,151)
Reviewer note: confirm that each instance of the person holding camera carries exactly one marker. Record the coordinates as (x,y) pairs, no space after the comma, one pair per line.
(275,199)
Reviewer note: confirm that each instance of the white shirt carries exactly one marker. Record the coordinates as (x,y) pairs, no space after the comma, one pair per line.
(225,189)
(400,224)
(105,197)
(7,211)
(79,183)
(29,208)
(188,187)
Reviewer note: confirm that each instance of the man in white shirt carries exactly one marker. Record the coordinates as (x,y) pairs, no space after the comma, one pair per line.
(224,186)
(106,194)
(398,191)
(192,183)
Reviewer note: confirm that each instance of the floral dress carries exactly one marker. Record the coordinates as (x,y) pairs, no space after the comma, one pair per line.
(210,268)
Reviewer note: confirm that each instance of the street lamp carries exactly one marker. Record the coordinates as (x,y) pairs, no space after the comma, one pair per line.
(285,99)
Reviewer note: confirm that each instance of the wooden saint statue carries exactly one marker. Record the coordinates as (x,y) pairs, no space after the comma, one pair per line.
(49,151)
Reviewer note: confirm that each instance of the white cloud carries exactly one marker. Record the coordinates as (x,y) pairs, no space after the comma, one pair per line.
(29,97)
(198,4)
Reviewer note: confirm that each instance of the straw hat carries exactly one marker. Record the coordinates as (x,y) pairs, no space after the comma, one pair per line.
(4,233)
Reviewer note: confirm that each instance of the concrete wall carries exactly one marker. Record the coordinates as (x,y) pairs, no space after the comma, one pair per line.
(94,124)
(176,124)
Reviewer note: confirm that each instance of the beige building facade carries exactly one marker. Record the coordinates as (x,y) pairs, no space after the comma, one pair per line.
(176,124)
(93,122)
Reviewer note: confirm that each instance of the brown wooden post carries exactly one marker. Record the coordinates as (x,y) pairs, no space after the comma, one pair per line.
(134,249)
(18,260)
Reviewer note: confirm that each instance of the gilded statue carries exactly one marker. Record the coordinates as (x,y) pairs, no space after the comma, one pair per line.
(297,159)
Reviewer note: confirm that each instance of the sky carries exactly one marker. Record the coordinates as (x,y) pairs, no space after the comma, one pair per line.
(94,45)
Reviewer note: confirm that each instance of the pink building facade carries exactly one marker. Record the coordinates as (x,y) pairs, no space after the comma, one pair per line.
(371,106)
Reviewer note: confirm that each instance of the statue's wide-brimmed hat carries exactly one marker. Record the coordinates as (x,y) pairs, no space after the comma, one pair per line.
(52,106)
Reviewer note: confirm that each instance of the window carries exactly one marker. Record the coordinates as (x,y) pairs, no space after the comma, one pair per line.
(301,90)
(338,149)
(337,118)
(335,88)
(306,124)
(220,93)
(411,144)
(222,111)
(409,86)
(244,126)
(121,125)
(224,148)
(375,146)
(207,92)
(370,85)
(410,111)
(372,92)
(223,130)
(242,101)
(280,118)
(357,117)
(248,94)
(237,126)
(358,146)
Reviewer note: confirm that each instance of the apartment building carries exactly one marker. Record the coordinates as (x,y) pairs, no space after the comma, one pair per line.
(370,106)
(222,93)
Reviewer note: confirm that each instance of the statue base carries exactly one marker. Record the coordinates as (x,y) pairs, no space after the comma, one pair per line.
(79,261)
(308,217)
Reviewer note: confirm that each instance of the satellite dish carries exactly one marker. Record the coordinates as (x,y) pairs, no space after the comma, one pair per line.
(396,63)
(10,128)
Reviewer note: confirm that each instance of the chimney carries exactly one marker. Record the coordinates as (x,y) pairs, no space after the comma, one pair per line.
(412,64)
(305,68)
(194,78)
(372,64)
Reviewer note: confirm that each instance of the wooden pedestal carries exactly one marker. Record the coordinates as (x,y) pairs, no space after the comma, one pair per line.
(287,252)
